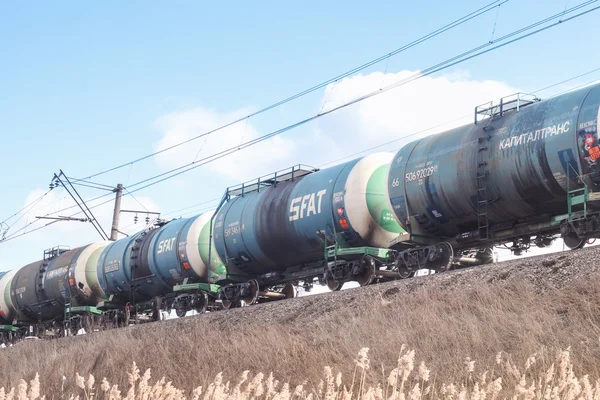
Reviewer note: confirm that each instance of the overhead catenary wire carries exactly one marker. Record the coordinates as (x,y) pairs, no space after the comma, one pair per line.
(14,236)
(579,87)
(34,202)
(481,11)
(446,64)
(135,198)
(567,80)
(470,115)
(23,210)
(436,68)
(53,213)
(74,180)
(195,211)
(110,189)
(428,71)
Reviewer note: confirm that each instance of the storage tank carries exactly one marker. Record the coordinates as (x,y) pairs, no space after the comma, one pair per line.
(522,162)
(286,224)
(41,289)
(151,262)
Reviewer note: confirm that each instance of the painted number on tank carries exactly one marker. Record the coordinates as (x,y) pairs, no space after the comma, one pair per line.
(234,228)
(421,173)
(165,245)
(309,203)
(112,266)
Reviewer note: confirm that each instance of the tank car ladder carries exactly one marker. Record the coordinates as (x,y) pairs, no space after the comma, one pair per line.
(483,227)
(512,103)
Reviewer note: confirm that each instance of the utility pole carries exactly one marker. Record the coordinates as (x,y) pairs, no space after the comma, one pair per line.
(117,211)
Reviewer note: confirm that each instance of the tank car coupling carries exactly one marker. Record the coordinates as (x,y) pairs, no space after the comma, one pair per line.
(248,293)
(543,241)
(364,271)
(438,257)
(233,294)
(190,301)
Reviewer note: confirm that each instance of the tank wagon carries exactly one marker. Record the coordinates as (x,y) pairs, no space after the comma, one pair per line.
(140,271)
(302,224)
(523,175)
(45,293)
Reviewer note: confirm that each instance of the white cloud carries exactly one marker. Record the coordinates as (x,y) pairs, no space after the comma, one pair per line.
(245,164)
(405,110)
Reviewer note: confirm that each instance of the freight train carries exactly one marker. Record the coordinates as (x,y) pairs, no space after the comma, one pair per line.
(524,173)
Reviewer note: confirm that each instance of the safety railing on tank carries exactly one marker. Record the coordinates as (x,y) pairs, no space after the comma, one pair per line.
(55,252)
(255,185)
(508,103)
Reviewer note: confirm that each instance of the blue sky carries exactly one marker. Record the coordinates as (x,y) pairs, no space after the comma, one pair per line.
(87,86)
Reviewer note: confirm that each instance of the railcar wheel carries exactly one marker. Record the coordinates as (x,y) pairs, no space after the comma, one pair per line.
(443,262)
(201,303)
(573,242)
(368,273)
(227,304)
(180,312)
(289,291)
(486,255)
(87,323)
(405,273)
(253,296)
(333,285)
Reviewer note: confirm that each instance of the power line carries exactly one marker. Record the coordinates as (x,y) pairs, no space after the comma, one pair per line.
(14,236)
(94,186)
(74,180)
(55,213)
(195,205)
(395,140)
(135,198)
(568,80)
(409,135)
(26,207)
(195,211)
(469,115)
(438,67)
(422,39)
(428,71)
(578,87)
(75,205)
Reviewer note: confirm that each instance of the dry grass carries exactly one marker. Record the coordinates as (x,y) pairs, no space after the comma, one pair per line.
(405,381)
(444,326)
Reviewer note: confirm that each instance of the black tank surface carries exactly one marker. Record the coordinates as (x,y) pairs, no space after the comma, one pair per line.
(530,158)
(40,290)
